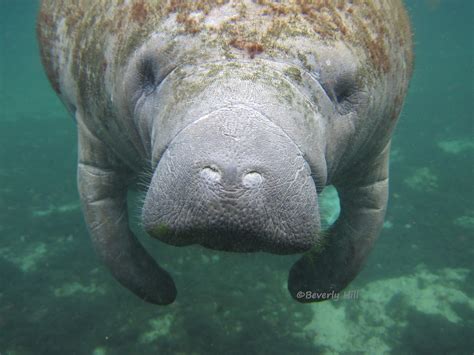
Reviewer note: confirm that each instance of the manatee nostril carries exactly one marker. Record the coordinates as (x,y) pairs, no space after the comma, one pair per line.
(210,173)
(252,179)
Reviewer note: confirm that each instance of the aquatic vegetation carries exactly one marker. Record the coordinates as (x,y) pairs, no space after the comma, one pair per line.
(99,351)
(70,207)
(423,180)
(158,327)
(74,288)
(28,258)
(29,255)
(466,221)
(456,146)
(384,308)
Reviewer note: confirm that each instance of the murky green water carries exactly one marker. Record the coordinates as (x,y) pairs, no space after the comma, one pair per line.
(415,296)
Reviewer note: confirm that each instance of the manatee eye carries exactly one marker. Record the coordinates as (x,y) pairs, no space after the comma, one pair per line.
(146,72)
(343,92)
(344,89)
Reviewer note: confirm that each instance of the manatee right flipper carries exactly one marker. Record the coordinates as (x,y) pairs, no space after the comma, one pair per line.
(102,183)
(329,268)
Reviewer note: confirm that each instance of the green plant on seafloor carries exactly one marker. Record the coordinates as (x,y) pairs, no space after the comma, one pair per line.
(423,179)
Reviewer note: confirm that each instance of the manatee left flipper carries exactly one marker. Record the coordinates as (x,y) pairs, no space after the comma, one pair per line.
(102,183)
(332,266)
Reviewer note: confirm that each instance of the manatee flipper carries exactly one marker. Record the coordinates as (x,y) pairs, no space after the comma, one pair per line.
(102,186)
(330,267)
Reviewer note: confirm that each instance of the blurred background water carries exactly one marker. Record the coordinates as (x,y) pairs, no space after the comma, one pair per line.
(415,296)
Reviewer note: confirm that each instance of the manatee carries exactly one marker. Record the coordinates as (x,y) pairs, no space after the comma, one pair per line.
(237,114)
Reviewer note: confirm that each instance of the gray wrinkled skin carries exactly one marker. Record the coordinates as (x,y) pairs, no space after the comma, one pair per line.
(257,194)
(239,145)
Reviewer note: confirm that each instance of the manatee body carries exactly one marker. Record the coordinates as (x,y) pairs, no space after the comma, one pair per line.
(239,113)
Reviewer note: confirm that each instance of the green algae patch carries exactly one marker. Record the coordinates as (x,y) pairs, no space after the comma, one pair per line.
(423,180)
(99,351)
(456,146)
(354,325)
(158,327)
(162,229)
(69,207)
(466,221)
(74,288)
(294,74)
(28,259)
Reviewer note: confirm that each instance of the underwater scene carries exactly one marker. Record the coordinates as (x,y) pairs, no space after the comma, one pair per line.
(415,294)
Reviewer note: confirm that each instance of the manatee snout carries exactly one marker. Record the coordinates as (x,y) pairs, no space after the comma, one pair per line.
(233,181)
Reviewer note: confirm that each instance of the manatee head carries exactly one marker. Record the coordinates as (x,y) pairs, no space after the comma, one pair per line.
(234,175)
